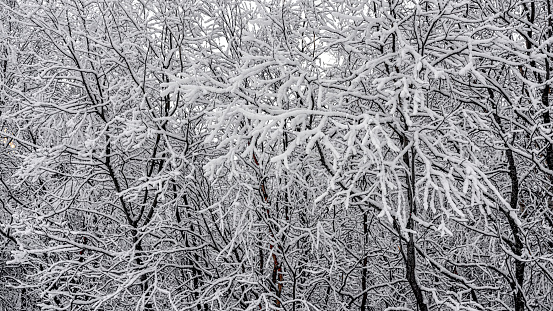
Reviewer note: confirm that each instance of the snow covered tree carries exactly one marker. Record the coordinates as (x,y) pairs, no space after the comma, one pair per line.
(288,155)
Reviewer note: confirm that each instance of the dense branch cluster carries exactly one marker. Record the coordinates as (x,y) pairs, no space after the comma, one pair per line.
(276,155)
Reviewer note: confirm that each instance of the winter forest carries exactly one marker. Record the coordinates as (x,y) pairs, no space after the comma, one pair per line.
(295,155)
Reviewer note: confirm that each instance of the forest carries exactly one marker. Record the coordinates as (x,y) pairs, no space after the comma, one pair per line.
(294,155)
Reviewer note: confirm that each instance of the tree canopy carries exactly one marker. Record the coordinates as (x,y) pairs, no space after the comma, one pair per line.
(276,155)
